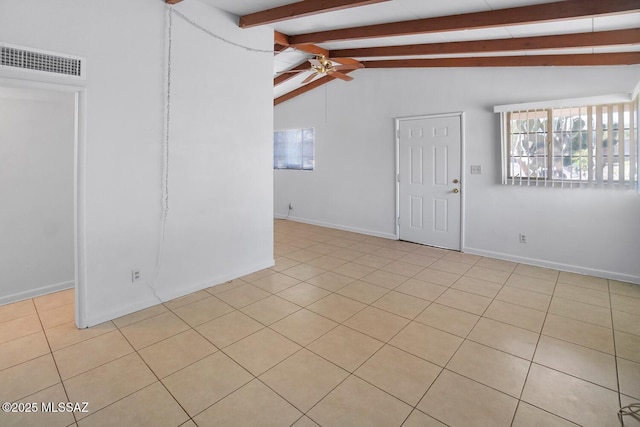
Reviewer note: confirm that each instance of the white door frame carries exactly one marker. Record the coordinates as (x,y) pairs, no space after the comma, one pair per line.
(397,122)
(79,145)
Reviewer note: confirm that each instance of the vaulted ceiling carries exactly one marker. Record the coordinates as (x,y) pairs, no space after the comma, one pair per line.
(437,33)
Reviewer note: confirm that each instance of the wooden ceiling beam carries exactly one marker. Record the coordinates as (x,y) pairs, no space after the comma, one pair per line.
(602,38)
(280,38)
(306,88)
(568,9)
(625,58)
(287,76)
(299,10)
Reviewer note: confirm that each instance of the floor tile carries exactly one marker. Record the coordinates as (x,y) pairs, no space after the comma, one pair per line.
(138,316)
(477,286)
(91,353)
(385,279)
(507,338)
(303,271)
(154,329)
(437,277)
(626,322)
(282,263)
(497,264)
(326,262)
(629,421)
(57,316)
(373,261)
(226,286)
(347,254)
(402,268)
(275,282)
(483,406)
(390,253)
(303,255)
(623,288)
(420,419)
(205,382)
(356,403)
(305,422)
(568,397)
(129,412)
(587,296)
(353,270)
(443,264)
(529,299)
(580,311)
(257,275)
(363,291)
(203,311)
(401,304)
(629,375)
(227,329)
(331,281)
(109,383)
(68,334)
(252,405)
(488,274)
(583,281)
(55,394)
(345,347)
(242,296)
(490,367)
(304,379)
(187,299)
(421,289)
(261,351)
(530,416)
(628,346)
(365,247)
(336,307)
(399,373)
(419,259)
(531,284)
(54,300)
(626,304)
(20,327)
(16,310)
(516,315)
(428,343)
(448,319)
(303,326)
(464,301)
(23,349)
(581,333)
(303,294)
(462,258)
(377,323)
(270,309)
(41,372)
(537,272)
(176,352)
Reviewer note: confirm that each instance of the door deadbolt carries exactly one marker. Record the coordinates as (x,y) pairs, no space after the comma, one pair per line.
(455,190)
(455,181)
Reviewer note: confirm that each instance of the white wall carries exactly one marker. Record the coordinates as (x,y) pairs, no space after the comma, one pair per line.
(36,189)
(219,224)
(585,230)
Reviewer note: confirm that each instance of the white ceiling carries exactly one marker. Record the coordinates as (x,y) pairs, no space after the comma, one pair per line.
(403,10)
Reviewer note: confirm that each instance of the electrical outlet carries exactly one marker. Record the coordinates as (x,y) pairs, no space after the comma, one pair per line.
(135,275)
(523,238)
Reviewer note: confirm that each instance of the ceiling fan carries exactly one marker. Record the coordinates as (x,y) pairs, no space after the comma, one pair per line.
(324,66)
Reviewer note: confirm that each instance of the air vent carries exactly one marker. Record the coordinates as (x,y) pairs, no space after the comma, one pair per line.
(16,57)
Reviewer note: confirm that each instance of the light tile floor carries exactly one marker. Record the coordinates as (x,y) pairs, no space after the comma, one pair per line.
(345,330)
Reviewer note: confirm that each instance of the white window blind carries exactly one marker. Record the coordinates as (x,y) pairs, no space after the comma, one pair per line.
(293,149)
(592,144)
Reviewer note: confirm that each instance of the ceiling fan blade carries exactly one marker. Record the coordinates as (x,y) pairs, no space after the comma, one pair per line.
(345,67)
(341,76)
(354,63)
(308,79)
(294,71)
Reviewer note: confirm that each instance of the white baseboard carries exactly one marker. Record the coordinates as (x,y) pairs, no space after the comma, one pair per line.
(164,295)
(605,274)
(37,292)
(338,226)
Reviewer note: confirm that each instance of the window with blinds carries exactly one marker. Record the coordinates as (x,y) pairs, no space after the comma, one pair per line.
(572,146)
(293,149)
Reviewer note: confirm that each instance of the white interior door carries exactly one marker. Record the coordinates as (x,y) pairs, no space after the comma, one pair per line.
(429,198)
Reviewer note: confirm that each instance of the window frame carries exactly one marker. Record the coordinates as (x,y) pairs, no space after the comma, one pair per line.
(593,107)
(305,159)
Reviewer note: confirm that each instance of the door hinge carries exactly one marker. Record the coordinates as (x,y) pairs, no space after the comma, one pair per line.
(398,133)
(398,177)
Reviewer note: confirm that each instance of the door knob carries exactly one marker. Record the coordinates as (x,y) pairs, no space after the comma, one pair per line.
(455,181)
(455,190)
